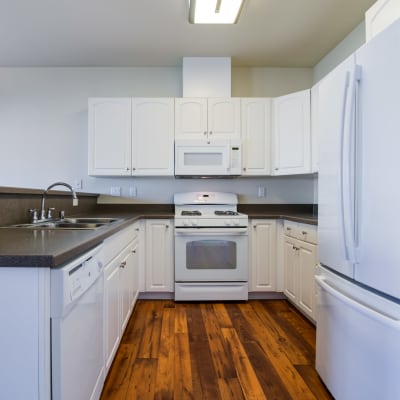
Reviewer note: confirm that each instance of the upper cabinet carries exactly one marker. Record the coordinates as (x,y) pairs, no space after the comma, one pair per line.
(291,134)
(123,133)
(153,136)
(109,136)
(380,15)
(212,118)
(314,127)
(256,136)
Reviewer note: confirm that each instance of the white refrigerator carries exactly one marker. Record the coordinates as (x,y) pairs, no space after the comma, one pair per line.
(358,279)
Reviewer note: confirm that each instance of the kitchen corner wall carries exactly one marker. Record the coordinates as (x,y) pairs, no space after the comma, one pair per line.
(43,125)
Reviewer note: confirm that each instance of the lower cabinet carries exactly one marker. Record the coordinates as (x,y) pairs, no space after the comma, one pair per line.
(121,280)
(159,275)
(262,255)
(299,263)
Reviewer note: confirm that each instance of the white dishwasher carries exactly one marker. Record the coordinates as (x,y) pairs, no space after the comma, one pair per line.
(77,293)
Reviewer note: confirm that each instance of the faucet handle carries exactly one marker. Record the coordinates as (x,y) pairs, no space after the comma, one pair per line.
(34,213)
(49,210)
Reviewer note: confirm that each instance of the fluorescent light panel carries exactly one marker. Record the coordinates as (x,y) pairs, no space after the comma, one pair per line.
(214,11)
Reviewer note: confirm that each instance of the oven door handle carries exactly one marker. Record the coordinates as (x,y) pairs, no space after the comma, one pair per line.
(211,231)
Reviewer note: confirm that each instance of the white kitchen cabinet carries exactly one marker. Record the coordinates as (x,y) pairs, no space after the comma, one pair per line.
(153,136)
(121,284)
(291,134)
(159,255)
(314,127)
(300,262)
(131,136)
(25,344)
(262,240)
(379,16)
(109,136)
(256,136)
(202,118)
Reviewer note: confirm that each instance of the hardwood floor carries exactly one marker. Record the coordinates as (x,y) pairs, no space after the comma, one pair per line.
(261,349)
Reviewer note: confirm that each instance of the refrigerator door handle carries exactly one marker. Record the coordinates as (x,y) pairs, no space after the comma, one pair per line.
(347,169)
(370,312)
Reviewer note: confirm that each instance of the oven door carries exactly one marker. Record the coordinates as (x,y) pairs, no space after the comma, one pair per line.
(211,254)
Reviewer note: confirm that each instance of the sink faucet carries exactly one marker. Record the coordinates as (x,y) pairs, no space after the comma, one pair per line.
(74,197)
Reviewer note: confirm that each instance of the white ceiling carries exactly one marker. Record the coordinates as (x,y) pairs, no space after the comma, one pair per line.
(270,33)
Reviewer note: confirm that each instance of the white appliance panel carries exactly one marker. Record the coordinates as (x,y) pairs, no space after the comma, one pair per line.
(379,161)
(358,347)
(333,92)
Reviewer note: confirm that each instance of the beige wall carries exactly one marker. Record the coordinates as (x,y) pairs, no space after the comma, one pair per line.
(269,82)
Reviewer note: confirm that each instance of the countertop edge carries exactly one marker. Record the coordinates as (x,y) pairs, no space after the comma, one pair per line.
(93,238)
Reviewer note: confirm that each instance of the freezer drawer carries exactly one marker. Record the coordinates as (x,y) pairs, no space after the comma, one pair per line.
(358,346)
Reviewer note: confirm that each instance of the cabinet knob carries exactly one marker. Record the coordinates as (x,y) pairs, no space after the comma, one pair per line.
(244,169)
(127,168)
(304,232)
(205,133)
(210,132)
(123,264)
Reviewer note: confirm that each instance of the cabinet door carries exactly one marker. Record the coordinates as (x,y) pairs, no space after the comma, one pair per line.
(291,134)
(307,261)
(290,260)
(112,327)
(191,118)
(109,136)
(159,256)
(256,136)
(314,128)
(126,282)
(153,136)
(223,118)
(262,274)
(134,292)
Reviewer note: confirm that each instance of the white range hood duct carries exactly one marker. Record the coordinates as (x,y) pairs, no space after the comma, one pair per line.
(206,76)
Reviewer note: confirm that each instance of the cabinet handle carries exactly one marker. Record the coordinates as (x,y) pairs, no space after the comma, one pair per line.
(205,133)
(134,251)
(123,264)
(127,168)
(244,169)
(304,232)
(167,226)
(210,132)
(288,229)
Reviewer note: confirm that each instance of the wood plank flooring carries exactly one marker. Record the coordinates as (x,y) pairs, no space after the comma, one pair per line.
(261,349)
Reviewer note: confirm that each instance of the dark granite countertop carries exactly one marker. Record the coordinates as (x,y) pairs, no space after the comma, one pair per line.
(52,248)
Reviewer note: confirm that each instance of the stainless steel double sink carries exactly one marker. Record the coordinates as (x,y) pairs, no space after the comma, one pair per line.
(68,223)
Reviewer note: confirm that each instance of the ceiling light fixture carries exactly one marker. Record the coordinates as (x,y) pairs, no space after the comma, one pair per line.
(214,11)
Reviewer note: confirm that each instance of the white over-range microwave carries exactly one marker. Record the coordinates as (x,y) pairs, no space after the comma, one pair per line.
(197,158)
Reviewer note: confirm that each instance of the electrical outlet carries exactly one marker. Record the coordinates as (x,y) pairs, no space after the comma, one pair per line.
(261,191)
(78,184)
(115,191)
(133,191)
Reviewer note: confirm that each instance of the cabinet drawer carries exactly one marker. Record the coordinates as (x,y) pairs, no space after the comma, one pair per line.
(305,232)
(291,229)
(308,233)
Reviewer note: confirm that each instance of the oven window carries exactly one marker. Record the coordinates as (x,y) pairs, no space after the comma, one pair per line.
(211,254)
